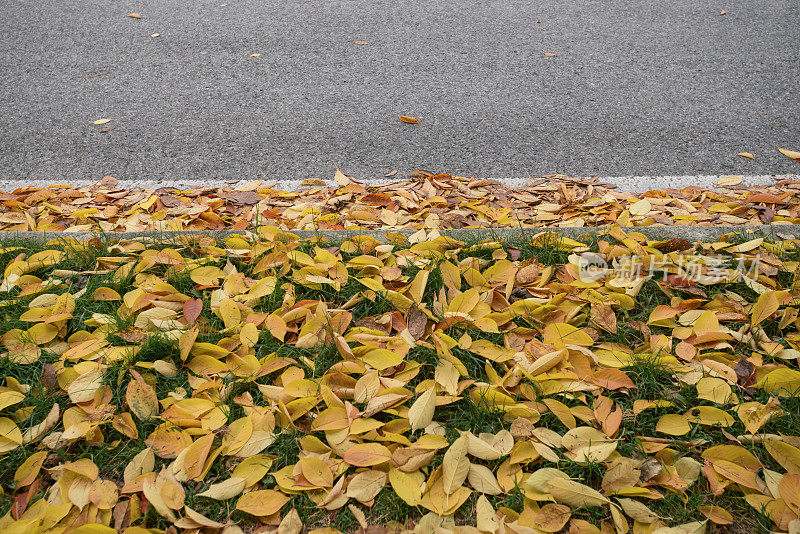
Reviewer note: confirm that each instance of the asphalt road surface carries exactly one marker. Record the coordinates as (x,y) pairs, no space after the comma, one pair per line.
(633,88)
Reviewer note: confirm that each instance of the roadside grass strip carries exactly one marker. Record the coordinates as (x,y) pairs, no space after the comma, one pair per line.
(271,383)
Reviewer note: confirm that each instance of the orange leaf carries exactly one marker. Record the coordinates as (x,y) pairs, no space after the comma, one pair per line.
(612,379)
(790,154)
(367,454)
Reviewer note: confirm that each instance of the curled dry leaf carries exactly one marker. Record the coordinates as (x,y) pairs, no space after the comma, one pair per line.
(793,154)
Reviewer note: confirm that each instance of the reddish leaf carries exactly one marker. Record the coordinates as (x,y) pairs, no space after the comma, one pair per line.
(612,379)
(21,501)
(192,309)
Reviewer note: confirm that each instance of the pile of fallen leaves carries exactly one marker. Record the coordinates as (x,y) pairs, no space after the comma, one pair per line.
(270,383)
(424,201)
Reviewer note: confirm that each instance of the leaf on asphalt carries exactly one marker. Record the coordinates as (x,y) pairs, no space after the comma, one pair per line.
(793,154)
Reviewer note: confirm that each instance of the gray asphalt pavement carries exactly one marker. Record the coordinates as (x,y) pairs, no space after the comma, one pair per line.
(634,88)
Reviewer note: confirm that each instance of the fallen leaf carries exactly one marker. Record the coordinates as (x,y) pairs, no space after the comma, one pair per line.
(730,180)
(790,154)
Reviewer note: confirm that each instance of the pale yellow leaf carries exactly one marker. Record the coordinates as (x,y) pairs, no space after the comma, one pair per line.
(420,414)
(733,179)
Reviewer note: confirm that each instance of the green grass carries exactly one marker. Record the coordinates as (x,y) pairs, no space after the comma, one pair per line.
(111,460)
(285,448)
(588,472)
(390,507)
(654,381)
(651,376)
(464,415)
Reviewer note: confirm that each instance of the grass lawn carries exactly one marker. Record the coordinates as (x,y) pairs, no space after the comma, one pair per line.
(262,382)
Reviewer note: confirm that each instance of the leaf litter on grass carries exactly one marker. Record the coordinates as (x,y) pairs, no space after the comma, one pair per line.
(269,382)
(453,201)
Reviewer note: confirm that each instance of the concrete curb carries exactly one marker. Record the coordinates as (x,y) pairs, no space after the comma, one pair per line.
(630,183)
(690,233)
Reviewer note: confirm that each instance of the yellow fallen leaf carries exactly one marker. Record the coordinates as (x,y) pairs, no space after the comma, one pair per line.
(734,179)
(782,382)
(249,335)
(27,472)
(227,489)
(382,359)
(747,155)
(10,435)
(367,454)
(94,528)
(141,398)
(483,480)
(641,207)
(262,502)
(716,514)
(406,487)
(455,465)
(574,493)
(714,389)
(765,306)
(790,154)
(787,455)
(710,416)
(101,121)
(207,275)
(486,517)
(341,178)
(420,414)
(409,120)
(366,485)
